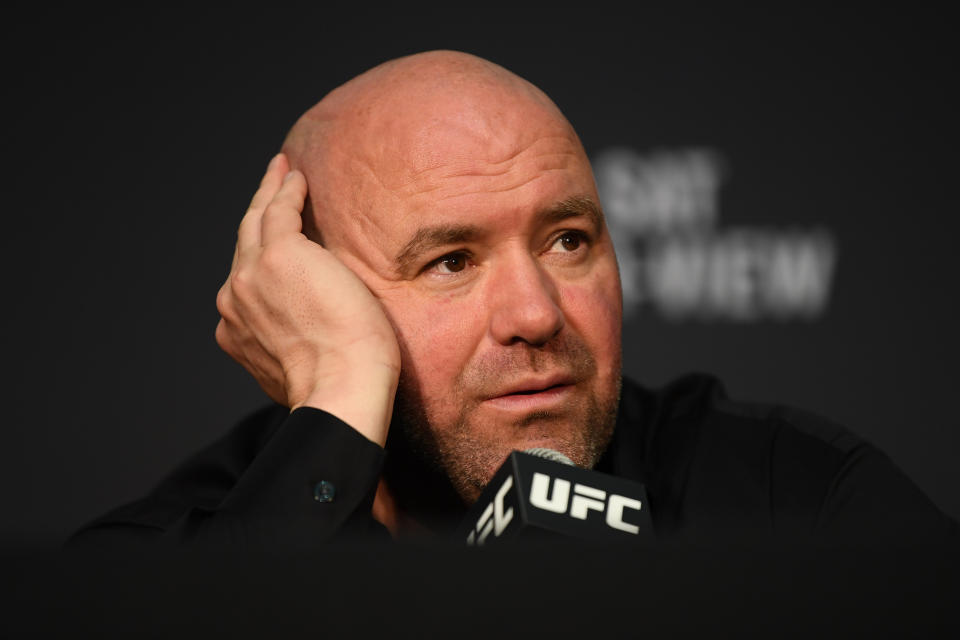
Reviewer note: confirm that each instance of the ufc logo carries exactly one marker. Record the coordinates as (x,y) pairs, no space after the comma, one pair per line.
(584,499)
(493,519)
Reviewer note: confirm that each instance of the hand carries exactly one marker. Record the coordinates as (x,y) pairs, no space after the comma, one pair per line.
(299,320)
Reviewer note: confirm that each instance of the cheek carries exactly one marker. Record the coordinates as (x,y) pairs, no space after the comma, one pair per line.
(437,337)
(594,309)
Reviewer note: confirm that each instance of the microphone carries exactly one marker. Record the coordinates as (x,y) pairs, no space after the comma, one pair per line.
(540,494)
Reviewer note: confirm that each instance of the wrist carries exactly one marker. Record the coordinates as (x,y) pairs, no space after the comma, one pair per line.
(361,395)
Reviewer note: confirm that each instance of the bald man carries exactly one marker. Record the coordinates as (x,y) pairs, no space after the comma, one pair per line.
(425,271)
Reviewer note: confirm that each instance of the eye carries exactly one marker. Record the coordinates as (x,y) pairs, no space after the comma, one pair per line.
(450,263)
(570,241)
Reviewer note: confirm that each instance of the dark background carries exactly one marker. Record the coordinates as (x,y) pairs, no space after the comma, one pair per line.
(133,142)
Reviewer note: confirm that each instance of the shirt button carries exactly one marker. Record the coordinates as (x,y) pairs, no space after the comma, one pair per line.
(324,491)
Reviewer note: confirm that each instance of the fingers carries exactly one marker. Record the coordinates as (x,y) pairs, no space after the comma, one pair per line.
(282,215)
(248,235)
(271,181)
(256,328)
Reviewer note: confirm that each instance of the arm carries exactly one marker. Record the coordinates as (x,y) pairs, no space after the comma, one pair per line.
(318,342)
(254,487)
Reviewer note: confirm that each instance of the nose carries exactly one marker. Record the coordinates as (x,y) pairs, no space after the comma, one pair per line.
(524,303)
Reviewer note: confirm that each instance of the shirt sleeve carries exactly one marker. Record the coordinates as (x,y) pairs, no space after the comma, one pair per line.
(311,481)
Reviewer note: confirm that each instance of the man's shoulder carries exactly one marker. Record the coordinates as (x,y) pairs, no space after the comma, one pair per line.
(713,463)
(695,408)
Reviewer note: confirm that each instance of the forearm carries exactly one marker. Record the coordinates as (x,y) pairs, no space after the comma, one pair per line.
(257,490)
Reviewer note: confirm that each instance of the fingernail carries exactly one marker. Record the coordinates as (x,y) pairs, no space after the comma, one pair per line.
(288,176)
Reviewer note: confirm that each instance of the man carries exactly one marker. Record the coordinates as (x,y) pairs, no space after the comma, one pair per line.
(425,270)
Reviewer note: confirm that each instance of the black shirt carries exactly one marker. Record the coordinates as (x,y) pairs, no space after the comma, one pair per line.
(715,470)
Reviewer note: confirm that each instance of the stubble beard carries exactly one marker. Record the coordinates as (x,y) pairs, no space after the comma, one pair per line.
(469,455)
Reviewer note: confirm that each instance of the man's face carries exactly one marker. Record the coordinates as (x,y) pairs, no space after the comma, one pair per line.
(492,261)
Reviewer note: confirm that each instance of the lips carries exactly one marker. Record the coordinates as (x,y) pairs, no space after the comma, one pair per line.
(533,386)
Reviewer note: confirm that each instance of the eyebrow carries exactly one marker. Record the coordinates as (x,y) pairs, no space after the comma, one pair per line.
(427,238)
(573,207)
(431,237)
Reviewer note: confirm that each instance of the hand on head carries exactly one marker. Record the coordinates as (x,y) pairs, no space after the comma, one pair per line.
(301,322)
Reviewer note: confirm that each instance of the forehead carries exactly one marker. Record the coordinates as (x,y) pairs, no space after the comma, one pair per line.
(485,157)
(496,185)
(456,175)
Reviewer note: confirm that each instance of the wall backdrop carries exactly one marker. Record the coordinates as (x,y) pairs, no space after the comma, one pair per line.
(782,187)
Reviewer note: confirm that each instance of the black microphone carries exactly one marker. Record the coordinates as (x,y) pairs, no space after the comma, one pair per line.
(540,494)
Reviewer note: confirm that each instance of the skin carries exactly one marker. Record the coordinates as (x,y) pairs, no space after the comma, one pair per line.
(466,289)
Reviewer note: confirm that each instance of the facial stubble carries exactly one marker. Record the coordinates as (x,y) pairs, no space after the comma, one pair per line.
(469,455)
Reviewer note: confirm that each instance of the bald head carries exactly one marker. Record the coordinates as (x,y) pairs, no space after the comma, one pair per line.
(439,112)
(462,198)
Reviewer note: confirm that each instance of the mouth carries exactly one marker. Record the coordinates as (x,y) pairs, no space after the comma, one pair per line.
(533,394)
